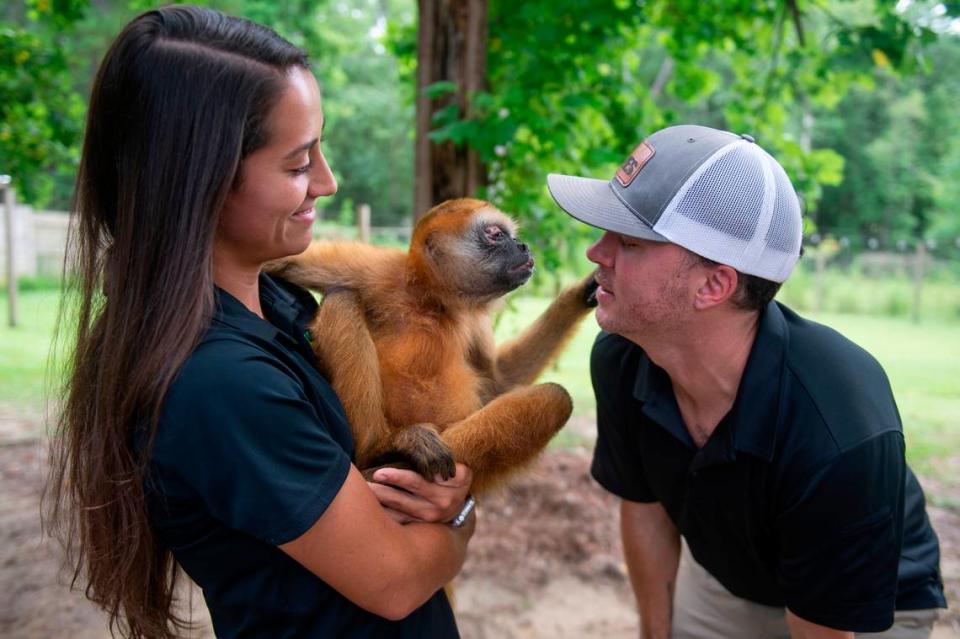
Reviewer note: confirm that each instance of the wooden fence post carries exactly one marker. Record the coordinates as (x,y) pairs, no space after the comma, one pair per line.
(9,202)
(919,264)
(363,222)
(820,284)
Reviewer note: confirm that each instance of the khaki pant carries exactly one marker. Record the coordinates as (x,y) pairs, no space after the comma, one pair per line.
(704,609)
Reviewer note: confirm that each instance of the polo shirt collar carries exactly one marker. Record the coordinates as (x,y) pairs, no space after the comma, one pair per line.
(755,415)
(277,304)
(754,418)
(654,389)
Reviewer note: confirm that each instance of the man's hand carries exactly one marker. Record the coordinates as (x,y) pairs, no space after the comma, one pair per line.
(408,497)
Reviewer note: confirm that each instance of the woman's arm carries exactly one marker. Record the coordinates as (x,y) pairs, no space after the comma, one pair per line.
(384,567)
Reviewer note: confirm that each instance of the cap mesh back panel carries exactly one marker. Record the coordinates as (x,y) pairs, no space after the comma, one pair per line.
(780,235)
(737,208)
(725,195)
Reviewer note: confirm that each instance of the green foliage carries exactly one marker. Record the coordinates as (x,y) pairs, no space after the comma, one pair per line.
(49,51)
(843,93)
(368,136)
(40,116)
(899,136)
(574,90)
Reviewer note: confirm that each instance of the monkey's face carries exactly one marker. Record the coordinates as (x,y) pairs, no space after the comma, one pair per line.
(503,262)
(475,252)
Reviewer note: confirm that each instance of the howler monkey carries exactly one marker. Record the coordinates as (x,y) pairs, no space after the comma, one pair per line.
(406,340)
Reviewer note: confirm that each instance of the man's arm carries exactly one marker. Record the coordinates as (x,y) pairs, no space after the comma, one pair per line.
(651,547)
(803,629)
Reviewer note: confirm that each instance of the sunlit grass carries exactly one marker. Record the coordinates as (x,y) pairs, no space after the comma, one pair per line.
(24,349)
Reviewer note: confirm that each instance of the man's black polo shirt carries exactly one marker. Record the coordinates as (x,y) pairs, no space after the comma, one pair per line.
(252,447)
(801,497)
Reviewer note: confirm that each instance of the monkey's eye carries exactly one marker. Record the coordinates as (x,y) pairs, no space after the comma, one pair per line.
(494,233)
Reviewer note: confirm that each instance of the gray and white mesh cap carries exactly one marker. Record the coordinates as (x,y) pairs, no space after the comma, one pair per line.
(712,192)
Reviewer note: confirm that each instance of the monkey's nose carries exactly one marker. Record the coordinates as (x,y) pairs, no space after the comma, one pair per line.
(523,247)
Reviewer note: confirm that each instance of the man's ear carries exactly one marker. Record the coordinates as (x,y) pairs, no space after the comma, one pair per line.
(718,286)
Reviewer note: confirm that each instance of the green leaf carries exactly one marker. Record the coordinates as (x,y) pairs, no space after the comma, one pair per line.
(440,89)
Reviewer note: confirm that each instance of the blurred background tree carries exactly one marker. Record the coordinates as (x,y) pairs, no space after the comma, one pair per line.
(574,86)
(855,97)
(40,115)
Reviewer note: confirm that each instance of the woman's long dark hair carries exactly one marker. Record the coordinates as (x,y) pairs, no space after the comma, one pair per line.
(180,99)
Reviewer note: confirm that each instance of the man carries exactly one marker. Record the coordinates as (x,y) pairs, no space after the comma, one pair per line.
(771,444)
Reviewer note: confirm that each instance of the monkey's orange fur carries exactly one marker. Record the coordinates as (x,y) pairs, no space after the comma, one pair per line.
(406,340)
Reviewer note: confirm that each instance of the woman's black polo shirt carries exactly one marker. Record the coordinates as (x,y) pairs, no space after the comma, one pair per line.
(251,448)
(801,497)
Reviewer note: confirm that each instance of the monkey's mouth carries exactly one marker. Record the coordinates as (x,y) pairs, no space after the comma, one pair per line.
(524,267)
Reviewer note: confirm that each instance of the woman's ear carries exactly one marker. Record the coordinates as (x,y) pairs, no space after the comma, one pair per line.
(718,286)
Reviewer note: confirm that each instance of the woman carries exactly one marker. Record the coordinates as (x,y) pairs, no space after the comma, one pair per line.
(196,431)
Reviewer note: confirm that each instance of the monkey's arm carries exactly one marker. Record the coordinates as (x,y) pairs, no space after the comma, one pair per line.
(508,433)
(348,358)
(328,265)
(521,359)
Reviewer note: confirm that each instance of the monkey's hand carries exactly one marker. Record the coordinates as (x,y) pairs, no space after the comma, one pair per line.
(590,285)
(420,448)
(579,296)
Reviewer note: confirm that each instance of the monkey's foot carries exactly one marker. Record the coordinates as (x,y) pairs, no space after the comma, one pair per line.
(420,448)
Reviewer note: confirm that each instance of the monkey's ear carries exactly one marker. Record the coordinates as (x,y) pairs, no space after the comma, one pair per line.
(432,246)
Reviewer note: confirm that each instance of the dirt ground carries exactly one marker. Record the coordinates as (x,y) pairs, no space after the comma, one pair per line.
(545,561)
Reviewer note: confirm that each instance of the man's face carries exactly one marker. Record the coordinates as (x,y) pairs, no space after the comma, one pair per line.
(646,288)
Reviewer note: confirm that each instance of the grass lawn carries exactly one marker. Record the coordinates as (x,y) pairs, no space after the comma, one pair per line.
(922,360)
(24,349)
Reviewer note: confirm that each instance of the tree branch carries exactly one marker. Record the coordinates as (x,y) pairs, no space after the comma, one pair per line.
(797,21)
(663,75)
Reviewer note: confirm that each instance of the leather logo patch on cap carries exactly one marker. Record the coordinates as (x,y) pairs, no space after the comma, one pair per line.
(629,169)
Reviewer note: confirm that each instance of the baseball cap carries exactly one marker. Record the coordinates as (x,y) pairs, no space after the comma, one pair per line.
(712,192)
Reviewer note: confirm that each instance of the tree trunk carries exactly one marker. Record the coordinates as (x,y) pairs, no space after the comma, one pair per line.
(451,47)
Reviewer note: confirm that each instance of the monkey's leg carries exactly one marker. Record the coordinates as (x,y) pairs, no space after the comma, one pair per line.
(348,357)
(521,359)
(508,433)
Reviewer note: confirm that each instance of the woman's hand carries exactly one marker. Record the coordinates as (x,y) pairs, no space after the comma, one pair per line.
(408,497)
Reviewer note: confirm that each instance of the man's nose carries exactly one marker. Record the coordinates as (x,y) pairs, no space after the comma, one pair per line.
(599,252)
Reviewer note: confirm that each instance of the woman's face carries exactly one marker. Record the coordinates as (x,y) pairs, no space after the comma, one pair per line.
(270,214)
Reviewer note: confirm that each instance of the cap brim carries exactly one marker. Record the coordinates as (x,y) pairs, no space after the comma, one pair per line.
(594,202)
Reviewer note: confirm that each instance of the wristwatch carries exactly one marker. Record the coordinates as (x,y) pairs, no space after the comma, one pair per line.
(468,505)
